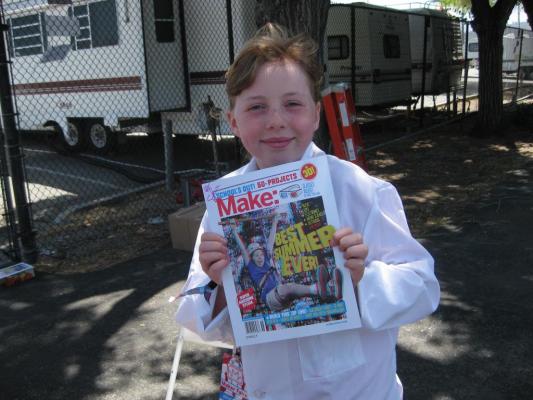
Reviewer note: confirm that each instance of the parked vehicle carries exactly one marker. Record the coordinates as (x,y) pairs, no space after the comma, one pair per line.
(444,51)
(472,49)
(511,51)
(214,34)
(92,69)
(368,47)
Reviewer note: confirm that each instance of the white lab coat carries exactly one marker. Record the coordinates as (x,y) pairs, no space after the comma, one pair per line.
(398,287)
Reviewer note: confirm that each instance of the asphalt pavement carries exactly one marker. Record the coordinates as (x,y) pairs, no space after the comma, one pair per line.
(110,334)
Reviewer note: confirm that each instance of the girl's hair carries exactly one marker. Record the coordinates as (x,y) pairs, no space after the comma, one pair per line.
(272,43)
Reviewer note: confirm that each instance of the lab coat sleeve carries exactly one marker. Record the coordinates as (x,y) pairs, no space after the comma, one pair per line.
(399,285)
(194,312)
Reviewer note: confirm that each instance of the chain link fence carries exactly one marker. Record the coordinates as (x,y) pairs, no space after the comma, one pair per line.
(120,103)
(97,85)
(416,61)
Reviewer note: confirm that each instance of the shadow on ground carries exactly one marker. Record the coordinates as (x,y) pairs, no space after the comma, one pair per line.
(110,334)
(472,205)
(104,334)
(478,344)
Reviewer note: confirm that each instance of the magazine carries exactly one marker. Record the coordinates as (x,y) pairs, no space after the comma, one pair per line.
(284,279)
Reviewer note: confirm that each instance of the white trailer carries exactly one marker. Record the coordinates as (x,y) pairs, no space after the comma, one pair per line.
(472,49)
(93,68)
(511,51)
(212,42)
(444,51)
(368,48)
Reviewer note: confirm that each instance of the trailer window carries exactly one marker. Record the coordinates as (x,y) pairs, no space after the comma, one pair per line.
(391,46)
(98,25)
(338,47)
(25,35)
(104,26)
(473,47)
(164,21)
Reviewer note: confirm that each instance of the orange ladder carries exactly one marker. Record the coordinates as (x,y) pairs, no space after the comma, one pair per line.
(342,123)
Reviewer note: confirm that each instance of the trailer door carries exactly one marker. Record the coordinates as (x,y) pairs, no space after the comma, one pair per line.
(166,77)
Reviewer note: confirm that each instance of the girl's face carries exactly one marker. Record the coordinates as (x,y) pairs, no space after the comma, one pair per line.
(276,117)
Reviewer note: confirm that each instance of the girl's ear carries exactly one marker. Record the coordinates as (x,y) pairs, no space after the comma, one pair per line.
(317,115)
(232,123)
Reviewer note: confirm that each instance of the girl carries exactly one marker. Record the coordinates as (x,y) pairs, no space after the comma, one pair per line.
(273,87)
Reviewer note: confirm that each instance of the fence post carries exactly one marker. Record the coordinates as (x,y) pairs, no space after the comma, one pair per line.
(353,76)
(11,221)
(467,66)
(454,93)
(424,65)
(229,23)
(14,156)
(515,96)
(169,155)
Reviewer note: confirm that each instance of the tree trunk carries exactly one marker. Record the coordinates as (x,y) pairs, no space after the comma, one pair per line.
(489,24)
(298,16)
(490,82)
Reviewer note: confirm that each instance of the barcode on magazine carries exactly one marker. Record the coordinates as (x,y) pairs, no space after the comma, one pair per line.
(254,325)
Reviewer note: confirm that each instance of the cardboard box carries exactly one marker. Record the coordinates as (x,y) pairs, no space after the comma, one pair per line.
(184,224)
(16,273)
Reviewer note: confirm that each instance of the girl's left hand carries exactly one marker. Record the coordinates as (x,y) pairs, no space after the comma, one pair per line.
(354,251)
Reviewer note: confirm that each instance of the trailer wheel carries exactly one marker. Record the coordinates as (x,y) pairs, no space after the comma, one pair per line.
(101,138)
(74,139)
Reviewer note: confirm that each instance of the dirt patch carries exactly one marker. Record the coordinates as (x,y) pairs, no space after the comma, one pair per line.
(102,236)
(438,174)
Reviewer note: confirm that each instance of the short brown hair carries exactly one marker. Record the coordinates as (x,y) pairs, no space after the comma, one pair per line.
(272,43)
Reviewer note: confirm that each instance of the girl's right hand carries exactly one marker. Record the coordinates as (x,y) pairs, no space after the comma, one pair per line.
(213,254)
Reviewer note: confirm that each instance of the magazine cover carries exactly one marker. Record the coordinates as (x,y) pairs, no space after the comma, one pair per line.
(284,279)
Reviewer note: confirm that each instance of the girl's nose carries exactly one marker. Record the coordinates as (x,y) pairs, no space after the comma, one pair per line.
(276,119)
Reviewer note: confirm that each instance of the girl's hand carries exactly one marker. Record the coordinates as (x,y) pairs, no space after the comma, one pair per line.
(354,250)
(213,254)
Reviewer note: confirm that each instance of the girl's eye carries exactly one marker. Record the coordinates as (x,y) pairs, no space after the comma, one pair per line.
(256,107)
(293,103)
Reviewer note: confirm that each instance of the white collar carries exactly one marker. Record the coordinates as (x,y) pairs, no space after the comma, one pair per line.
(311,151)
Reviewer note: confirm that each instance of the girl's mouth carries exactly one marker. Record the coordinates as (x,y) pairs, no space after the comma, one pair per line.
(277,143)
